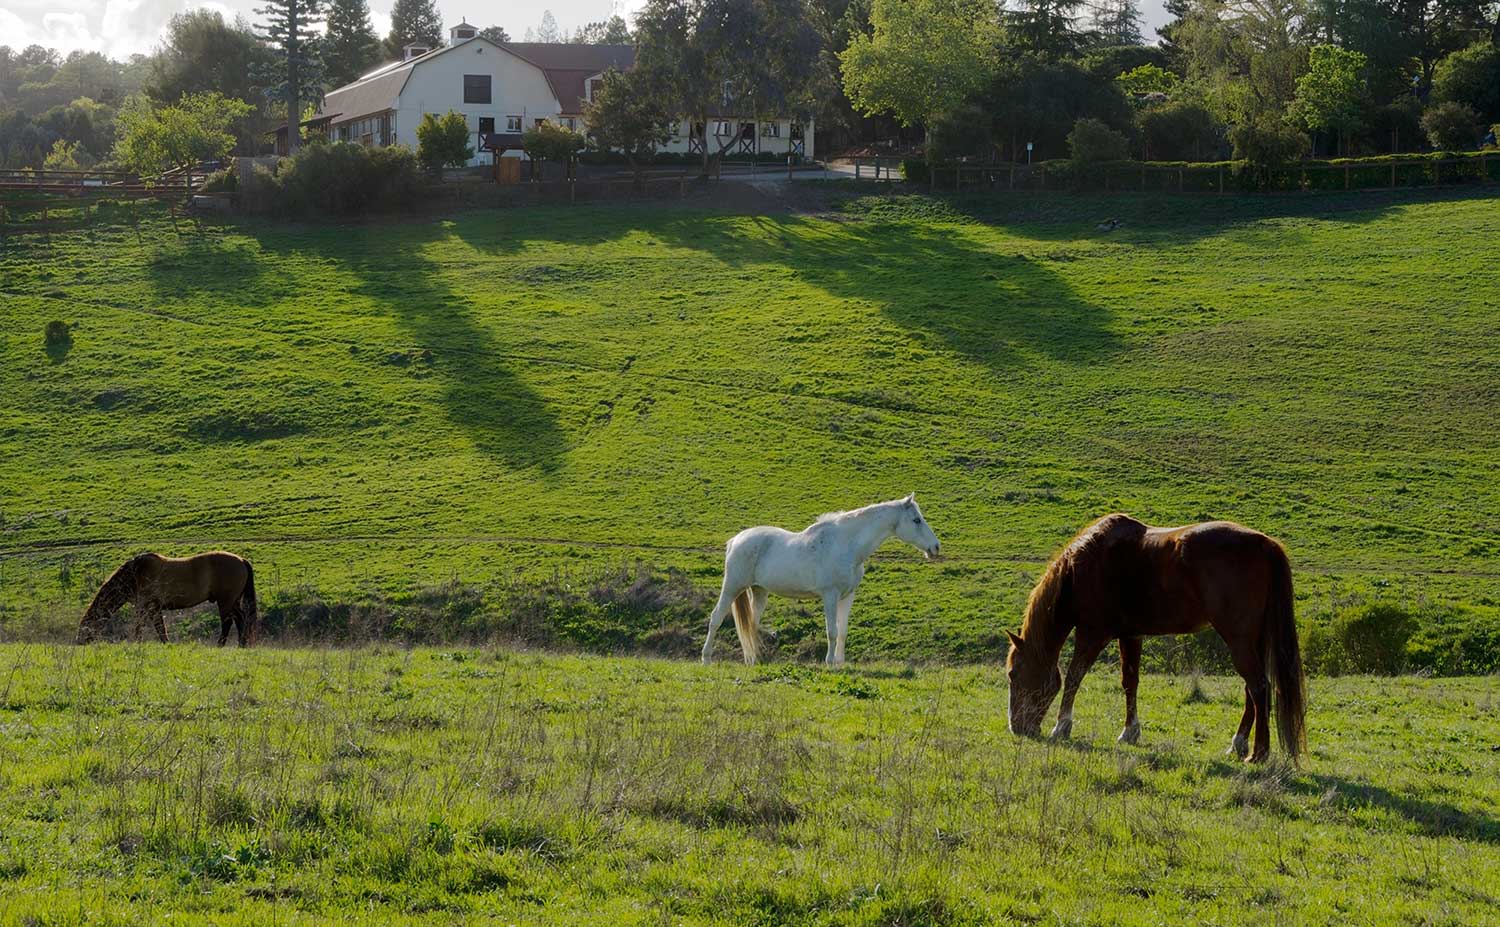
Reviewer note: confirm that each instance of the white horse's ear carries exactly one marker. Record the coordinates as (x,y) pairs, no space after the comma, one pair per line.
(911,497)
(1015,641)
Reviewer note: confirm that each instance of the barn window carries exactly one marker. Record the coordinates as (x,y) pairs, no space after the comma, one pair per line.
(476,88)
(513,124)
(770,130)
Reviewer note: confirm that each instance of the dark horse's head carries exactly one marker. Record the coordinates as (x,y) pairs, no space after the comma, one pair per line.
(1032,664)
(116,590)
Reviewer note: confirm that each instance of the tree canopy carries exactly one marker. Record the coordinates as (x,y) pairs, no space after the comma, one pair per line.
(923,57)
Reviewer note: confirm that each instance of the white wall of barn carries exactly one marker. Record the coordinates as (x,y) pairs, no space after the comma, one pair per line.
(517,88)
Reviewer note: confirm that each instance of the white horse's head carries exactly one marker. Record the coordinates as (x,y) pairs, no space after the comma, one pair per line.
(912,528)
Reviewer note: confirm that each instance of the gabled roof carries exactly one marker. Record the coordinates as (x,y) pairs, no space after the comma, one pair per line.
(568,67)
(367,96)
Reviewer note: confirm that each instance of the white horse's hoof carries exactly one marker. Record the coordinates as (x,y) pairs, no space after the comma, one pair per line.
(1239,747)
(1063,729)
(1131,734)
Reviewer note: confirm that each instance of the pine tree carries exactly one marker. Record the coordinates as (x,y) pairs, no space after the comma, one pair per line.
(295,75)
(350,47)
(413,22)
(1117,22)
(495,34)
(548,30)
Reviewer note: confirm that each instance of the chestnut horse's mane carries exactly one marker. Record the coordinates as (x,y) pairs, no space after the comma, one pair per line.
(1078,555)
(117,588)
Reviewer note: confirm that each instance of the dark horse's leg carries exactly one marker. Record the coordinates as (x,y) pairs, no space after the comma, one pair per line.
(1241,743)
(242,625)
(225,619)
(1130,677)
(158,621)
(1252,667)
(1085,651)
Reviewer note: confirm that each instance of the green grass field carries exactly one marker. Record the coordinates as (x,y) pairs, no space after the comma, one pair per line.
(375,410)
(141,783)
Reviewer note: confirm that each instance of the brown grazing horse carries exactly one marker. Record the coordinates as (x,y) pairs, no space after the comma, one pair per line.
(151,583)
(1121,580)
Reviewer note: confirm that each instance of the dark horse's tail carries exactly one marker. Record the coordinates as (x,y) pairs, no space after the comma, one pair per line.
(1284,657)
(247,604)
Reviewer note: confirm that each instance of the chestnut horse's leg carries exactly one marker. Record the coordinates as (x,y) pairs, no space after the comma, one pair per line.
(242,625)
(1130,677)
(1241,743)
(224,622)
(159,622)
(1085,651)
(1252,667)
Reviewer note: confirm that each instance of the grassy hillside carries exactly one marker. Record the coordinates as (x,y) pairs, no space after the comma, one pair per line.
(464,786)
(374,410)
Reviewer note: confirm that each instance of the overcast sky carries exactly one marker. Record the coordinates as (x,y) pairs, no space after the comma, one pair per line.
(123,27)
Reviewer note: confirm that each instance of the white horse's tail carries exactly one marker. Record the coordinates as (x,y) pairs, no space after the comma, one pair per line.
(747,627)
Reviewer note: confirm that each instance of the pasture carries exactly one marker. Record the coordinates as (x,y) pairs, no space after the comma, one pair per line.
(423,419)
(429,786)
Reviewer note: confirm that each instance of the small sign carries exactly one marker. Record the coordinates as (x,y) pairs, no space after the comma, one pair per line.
(1030,145)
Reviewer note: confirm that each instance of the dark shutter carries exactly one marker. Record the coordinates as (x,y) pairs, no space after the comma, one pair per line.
(476,88)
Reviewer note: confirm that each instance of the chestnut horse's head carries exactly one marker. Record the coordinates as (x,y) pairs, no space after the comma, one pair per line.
(1034,683)
(111,595)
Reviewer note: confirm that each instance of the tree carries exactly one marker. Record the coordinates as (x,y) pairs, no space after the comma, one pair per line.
(548,142)
(1046,28)
(613,31)
(201,52)
(67,156)
(1331,96)
(548,31)
(730,57)
(350,46)
(495,34)
(295,76)
(154,139)
(922,58)
(443,141)
(1178,131)
(1092,140)
(413,22)
(1471,76)
(1148,78)
(626,115)
(1116,22)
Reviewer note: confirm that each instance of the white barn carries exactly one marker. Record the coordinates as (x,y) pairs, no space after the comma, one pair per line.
(506,88)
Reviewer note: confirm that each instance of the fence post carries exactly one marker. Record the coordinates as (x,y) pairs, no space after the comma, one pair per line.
(1393,175)
(1143,176)
(1044,177)
(1221,178)
(1010,182)
(856,168)
(1179,180)
(572,190)
(1346,176)
(958,178)
(931,177)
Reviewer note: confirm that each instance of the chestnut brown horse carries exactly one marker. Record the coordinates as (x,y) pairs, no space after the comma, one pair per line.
(1121,580)
(151,583)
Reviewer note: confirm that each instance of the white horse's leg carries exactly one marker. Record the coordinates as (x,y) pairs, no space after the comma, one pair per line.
(721,609)
(845,604)
(758,596)
(831,623)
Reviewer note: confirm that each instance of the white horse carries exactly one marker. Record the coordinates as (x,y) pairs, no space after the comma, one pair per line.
(825,562)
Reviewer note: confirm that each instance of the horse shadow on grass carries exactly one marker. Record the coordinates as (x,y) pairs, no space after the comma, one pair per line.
(482,392)
(1430,818)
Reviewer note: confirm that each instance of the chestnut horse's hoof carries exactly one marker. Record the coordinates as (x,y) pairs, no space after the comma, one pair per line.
(1239,747)
(1063,730)
(1131,734)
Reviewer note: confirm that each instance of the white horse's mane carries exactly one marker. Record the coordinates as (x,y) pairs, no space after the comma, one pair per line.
(829,518)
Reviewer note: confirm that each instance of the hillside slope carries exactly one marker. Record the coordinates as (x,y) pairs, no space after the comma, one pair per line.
(522,393)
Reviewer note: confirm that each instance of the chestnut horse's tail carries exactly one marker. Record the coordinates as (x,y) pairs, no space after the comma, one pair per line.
(247,604)
(1284,657)
(746,626)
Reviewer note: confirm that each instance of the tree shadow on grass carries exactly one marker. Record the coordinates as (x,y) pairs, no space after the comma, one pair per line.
(482,393)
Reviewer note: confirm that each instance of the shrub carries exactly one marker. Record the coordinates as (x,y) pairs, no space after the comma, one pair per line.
(547,142)
(58,334)
(1451,126)
(1366,639)
(222,181)
(915,170)
(1398,125)
(1147,79)
(339,179)
(1265,139)
(443,141)
(1179,132)
(1092,140)
(962,133)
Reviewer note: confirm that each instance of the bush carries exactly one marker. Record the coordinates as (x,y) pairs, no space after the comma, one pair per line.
(1400,122)
(443,141)
(222,181)
(1179,132)
(1451,126)
(1456,644)
(1092,140)
(962,133)
(339,179)
(1266,140)
(1366,639)
(1471,77)
(915,170)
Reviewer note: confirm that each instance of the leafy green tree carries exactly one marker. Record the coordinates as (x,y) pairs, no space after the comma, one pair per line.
(443,141)
(1178,131)
(295,75)
(627,115)
(1092,140)
(1331,96)
(1148,78)
(350,46)
(201,52)
(1265,139)
(1037,100)
(547,141)
(154,139)
(67,156)
(413,22)
(495,34)
(922,58)
(1471,76)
